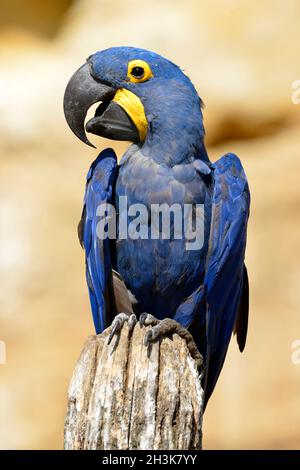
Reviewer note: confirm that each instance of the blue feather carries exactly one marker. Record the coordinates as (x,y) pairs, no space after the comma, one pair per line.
(100,180)
(225,262)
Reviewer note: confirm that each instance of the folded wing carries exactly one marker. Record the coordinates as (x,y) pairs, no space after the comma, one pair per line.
(226,281)
(99,191)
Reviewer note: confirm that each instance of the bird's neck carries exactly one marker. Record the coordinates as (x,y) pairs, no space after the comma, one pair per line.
(171,148)
(175,130)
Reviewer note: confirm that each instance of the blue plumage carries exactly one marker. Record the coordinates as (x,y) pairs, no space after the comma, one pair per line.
(99,189)
(206,290)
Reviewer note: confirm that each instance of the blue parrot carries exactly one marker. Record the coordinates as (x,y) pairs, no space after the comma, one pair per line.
(201,293)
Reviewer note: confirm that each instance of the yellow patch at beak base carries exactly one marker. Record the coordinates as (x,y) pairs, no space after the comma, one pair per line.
(134,108)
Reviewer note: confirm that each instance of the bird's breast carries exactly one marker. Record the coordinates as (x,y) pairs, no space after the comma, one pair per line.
(155,259)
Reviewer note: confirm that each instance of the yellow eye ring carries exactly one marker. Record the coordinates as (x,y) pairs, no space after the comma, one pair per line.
(138,71)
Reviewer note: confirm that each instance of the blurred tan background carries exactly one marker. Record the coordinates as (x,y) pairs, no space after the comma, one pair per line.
(243,58)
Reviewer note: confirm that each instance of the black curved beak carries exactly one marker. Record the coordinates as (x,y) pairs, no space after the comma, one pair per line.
(110,119)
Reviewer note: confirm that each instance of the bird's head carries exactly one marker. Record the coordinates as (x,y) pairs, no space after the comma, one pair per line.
(140,94)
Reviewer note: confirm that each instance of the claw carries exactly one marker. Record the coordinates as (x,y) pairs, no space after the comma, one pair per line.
(116,327)
(118,323)
(148,337)
(132,322)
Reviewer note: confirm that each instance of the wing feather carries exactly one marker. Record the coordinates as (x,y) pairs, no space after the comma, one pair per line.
(225,283)
(99,190)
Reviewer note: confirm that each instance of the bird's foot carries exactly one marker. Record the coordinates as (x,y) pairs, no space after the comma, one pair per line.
(166,327)
(118,323)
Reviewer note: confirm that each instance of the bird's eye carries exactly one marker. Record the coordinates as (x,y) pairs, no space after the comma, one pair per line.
(139,71)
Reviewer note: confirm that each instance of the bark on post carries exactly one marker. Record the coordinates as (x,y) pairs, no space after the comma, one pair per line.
(126,396)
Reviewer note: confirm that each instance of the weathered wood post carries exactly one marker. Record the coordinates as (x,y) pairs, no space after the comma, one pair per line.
(124,395)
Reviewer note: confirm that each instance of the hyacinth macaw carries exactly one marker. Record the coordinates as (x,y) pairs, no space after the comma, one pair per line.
(200,294)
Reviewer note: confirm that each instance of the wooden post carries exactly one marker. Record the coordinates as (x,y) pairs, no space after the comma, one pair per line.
(127,396)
